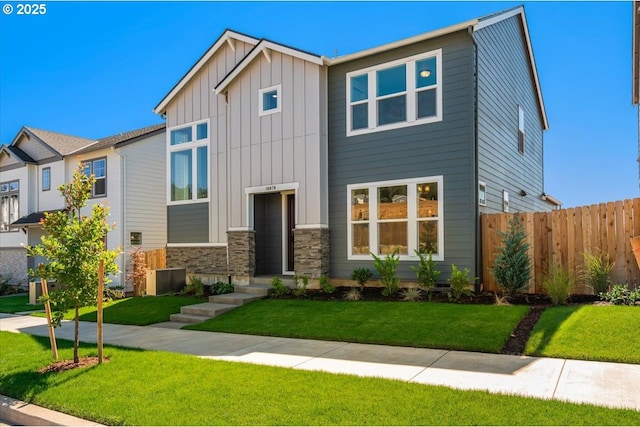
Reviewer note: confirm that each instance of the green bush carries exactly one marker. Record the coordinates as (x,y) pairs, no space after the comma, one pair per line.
(195,287)
(220,288)
(279,289)
(326,286)
(426,272)
(460,282)
(558,284)
(412,294)
(387,269)
(361,276)
(597,271)
(301,286)
(622,295)
(512,265)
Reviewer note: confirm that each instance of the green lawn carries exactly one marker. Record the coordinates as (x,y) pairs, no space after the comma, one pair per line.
(139,311)
(589,332)
(420,324)
(17,303)
(155,388)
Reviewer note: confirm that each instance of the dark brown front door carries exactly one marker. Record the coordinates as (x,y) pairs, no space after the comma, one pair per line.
(291,223)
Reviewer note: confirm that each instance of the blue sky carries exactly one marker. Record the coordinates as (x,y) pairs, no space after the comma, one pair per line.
(94,69)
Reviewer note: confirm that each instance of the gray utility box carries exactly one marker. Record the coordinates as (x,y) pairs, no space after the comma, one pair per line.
(166,280)
(35,290)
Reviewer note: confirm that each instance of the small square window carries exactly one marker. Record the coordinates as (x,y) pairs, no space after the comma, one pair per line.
(270,100)
(136,238)
(482,193)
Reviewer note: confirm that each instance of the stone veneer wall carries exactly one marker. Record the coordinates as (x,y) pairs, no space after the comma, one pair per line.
(242,253)
(13,265)
(198,260)
(311,251)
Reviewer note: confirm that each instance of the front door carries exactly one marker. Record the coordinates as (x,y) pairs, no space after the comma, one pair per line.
(291,224)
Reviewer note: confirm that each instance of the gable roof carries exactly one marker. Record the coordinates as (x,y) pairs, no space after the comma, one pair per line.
(59,143)
(471,25)
(264,47)
(228,36)
(123,138)
(18,153)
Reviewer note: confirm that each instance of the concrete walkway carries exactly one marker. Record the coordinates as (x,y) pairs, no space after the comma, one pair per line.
(614,385)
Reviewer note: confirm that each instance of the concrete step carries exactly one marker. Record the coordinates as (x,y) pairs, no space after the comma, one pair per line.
(188,318)
(261,290)
(208,309)
(288,281)
(235,298)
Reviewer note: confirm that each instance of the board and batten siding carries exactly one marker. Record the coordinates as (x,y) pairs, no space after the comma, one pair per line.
(505,80)
(442,148)
(197,101)
(280,148)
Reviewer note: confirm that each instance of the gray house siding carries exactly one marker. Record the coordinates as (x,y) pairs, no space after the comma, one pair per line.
(505,81)
(188,223)
(443,148)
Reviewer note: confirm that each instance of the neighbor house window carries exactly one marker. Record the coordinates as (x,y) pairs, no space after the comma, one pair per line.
(396,94)
(9,203)
(188,162)
(46,179)
(97,168)
(135,238)
(521,133)
(403,215)
(482,193)
(505,201)
(270,100)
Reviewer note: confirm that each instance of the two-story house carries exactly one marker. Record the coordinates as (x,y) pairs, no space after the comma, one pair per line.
(284,162)
(130,173)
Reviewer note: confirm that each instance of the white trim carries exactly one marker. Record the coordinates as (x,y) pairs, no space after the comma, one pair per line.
(498,18)
(261,92)
(410,94)
(239,229)
(227,35)
(285,228)
(412,219)
(274,188)
(196,245)
(311,226)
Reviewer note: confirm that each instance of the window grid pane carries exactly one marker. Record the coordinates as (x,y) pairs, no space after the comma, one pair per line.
(428,236)
(427,200)
(202,131)
(181,175)
(360,239)
(181,136)
(203,181)
(392,202)
(359,88)
(46,179)
(426,72)
(392,110)
(392,236)
(391,80)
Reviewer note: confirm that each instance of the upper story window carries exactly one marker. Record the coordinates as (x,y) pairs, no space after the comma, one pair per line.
(46,179)
(482,193)
(9,203)
(404,214)
(521,133)
(396,94)
(97,167)
(188,163)
(270,100)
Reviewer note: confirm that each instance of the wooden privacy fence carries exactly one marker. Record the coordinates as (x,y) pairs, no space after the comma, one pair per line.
(562,237)
(156,258)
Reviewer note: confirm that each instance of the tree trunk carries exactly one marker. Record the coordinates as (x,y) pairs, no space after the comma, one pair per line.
(76,341)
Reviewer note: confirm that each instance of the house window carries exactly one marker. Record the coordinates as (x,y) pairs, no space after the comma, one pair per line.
(97,168)
(188,163)
(396,94)
(269,100)
(521,133)
(135,238)
(9,204)
(482,193)
(405,215)
(505,201)
(46,179)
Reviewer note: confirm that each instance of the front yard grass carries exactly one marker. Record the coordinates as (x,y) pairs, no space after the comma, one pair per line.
(156,388)
(433,325)
(17,304)
(588,332)
(140,311)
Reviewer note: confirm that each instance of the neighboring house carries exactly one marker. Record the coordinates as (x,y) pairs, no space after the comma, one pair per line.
(635,97)
(284,162)
(130,175)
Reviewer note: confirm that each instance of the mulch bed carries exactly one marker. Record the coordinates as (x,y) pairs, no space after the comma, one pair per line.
(67,365)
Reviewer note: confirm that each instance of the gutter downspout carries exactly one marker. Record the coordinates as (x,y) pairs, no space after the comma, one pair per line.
(478,240)
(123,204)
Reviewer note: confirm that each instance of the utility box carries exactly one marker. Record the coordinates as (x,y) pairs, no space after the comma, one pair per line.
(166,280)
(35,290)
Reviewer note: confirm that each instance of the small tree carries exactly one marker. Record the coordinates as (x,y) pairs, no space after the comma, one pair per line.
(73,247)
(138,273)
(512,266)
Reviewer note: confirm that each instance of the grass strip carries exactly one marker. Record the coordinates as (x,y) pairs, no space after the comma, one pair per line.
(17,304)
(420,324)
(588,332)
(140,387)
(139,311)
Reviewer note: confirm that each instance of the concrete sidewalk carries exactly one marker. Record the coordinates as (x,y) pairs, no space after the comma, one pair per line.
(613,385)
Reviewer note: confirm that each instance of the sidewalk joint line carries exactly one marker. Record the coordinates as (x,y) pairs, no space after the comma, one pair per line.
(555,389)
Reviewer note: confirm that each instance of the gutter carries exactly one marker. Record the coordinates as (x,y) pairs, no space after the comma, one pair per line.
(123,204)
(477,242)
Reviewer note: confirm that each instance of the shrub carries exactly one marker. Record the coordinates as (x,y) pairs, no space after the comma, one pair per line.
(558,284)
(622,295)
(301,286)
(426,273)
(361,276)
(326,286)
(597,271)
(460,282)
(412,294)
(111,293)
(353,294)
(138,272)
(220,288)
(512,265)
(194,287)
(387,269)
(279,289)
